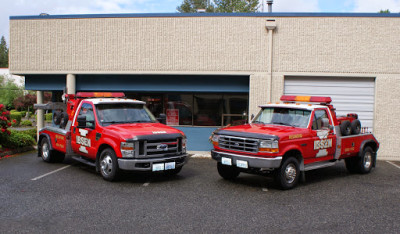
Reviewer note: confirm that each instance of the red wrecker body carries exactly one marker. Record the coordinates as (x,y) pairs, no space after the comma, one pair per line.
(292,137)
(112,133)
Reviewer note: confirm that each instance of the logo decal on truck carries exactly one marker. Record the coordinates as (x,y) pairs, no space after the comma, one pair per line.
(83,141)
(323,143)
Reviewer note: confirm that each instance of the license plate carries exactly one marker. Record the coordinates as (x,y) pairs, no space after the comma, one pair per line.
(170,166)
(158,167)
(242,164)
(226,161)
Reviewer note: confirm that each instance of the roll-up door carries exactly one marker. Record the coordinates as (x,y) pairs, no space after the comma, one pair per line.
(349,95)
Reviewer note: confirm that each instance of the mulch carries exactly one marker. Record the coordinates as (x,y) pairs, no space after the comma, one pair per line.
(5,153)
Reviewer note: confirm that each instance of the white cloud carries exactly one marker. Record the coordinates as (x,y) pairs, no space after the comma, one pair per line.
(376,5)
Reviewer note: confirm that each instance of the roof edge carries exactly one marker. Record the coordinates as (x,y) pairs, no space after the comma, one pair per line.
(153,15)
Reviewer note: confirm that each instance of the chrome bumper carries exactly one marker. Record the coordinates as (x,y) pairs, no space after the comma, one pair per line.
(253,162)
(147,164)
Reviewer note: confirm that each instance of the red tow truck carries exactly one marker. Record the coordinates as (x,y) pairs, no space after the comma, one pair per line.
(286,139)
(111,133)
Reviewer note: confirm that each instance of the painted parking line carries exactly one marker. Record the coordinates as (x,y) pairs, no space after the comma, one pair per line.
(393,164)
(52,172)
(146,184)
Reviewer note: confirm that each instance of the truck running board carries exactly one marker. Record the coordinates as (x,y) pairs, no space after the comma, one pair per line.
(318,165)
(83,160)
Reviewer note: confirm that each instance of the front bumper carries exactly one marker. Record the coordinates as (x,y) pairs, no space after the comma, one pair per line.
(147,164)
(253,162)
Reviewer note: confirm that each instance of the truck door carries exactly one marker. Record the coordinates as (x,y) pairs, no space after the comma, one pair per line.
(324,138)
(83,137)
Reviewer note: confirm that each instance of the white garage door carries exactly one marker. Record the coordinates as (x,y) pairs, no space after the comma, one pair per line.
(349,95)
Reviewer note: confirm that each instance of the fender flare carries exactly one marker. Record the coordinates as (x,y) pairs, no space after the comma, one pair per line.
(41,136)
(295,148)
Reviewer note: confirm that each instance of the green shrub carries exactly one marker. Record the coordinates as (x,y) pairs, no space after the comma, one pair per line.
(17,117)
(18,139)
(26,123)
(23,113)
(48,117)
(31,132)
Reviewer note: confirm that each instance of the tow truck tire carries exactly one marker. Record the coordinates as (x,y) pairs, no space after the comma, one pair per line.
(227,172)
(57,117)
(173,171)
(63,120)
(355,127)
(288,174)
(46,153)
(345,128)
(365,163)
(109,168)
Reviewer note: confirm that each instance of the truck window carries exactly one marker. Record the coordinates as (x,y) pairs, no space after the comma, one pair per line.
(283,116)
(117,113)
(318,116)
(87,110)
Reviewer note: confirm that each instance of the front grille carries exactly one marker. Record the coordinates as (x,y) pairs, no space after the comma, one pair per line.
(160,148)
(238,144)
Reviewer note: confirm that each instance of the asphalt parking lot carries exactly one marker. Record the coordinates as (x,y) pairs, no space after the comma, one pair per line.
(73,198)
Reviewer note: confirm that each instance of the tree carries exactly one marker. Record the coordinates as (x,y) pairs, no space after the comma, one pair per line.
(220,6)
(9,91)
(384,11)
(3,52)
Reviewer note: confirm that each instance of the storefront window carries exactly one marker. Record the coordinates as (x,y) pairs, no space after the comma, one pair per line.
(198,109)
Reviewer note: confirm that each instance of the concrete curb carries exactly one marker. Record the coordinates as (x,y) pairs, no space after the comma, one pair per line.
(200,154)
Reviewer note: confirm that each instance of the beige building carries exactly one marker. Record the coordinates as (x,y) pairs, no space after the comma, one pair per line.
(215,68)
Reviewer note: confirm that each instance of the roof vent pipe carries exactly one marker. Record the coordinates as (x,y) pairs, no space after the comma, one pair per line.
(269,2)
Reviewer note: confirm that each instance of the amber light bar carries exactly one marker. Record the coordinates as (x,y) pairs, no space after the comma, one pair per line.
(318,99)
(99,94)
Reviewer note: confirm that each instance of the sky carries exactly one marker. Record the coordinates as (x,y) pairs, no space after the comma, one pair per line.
(61,7)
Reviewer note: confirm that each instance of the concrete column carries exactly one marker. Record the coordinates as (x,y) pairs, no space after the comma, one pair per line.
(270,26)
(71,84)
(40,112)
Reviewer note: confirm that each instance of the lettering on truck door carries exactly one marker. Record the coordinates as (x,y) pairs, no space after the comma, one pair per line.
(83,138)
(324,139)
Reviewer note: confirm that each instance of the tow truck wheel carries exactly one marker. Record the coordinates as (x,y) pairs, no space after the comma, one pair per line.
(45,152)
(227,172)
(288,174)
(366,161)
(345,128)
(109,165)
(355,127)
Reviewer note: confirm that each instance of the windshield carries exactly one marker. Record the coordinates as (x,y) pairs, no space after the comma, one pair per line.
(117,113)
(283,116)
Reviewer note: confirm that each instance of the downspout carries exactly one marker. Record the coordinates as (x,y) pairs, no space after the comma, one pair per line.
(270,25)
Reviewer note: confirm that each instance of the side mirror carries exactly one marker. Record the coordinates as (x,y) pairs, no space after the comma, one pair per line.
(162,118)
(81,121)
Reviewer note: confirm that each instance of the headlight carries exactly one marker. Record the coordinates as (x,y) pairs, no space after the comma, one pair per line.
(127,149)
(184,141)
(214,139)
(270,146)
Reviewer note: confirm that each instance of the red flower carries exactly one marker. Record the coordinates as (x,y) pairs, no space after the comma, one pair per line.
(9,124)
(8,132)
(3,130)
(7,113)
(1,106)
(4,113)
(14,121)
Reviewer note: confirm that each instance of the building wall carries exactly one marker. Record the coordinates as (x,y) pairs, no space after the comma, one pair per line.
(312,46)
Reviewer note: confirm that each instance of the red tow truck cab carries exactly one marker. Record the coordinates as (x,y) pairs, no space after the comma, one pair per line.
(111,133)
(286,139)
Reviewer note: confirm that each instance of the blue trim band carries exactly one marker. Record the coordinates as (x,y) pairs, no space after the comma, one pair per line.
(258,14)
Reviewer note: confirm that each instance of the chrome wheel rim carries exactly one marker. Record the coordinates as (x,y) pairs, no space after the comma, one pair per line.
(290,173)
(106,165)
(45,151)
(367,160)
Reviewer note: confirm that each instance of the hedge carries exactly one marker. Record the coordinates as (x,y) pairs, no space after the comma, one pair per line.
(48,117)
(26,123)
(17,140)
(31,132)
(17,117)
